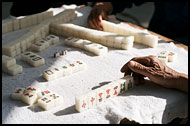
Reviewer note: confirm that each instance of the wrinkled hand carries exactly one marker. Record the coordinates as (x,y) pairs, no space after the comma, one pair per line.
(98,13)
(153,68)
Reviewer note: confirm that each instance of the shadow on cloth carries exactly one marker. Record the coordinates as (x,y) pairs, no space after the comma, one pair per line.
(68,111)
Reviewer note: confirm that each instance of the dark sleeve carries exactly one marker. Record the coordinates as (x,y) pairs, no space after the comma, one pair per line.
(120,6)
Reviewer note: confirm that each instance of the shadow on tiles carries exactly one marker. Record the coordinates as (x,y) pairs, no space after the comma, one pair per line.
(66,111)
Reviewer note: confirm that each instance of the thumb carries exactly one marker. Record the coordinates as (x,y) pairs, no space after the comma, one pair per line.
(138,68)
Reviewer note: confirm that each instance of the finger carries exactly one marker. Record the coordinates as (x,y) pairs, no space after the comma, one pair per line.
(91,25)
(138,68)
(125,69)
(96,24)
(99,22)
(146,60)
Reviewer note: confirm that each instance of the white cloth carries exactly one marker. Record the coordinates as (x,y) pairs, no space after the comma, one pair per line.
(146,103)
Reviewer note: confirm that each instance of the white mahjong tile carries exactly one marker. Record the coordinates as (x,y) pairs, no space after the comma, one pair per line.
(101,50)
(18,51)
(115,88)
(163,58)
(16,24)
(8,61)
(57,99)
(172,56)
(78,43)
(86,44)
(37,61)
(58,71)
(68,40)
(108,91)
(17,94)
(123,85)
(10,26)
(110,41)
(30,57)
(44,93)
(48,39)
(29,97)
(4,27)
(66,70)
(150,40)
(73,41)
(129,81)
(39,17)
(33,89)
(74,67)
(46,103)
(34,19)
(49,75)
(15,69)
(23,23)
(81,103)
(91,99)
(24,56)
(81,65)
(38,47)
(100,95)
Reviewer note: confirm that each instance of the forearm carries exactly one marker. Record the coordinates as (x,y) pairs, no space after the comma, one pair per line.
(106,5)
(182,83)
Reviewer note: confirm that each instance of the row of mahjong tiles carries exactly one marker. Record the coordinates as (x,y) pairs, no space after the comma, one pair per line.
(48,99)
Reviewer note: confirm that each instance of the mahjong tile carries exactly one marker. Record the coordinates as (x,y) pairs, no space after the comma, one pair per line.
(49,75)
(100,95)
(115,88)
(29,97)
(108,91)
(66,70)
(57,99)
(81,103)
(91,99)
(44,93)
(46,103)
(17,94)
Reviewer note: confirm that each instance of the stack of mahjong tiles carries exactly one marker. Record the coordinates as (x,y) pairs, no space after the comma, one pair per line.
(26,21)
(33,59)
(166,56)
(139,37)
(23,43)
(87,45)
(65,16)
(9,65)
(102,94)
(64,70)
(46,99)
(44,43)
(101,37)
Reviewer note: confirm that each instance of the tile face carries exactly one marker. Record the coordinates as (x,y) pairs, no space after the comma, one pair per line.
(17,94)
(108,91)
(49,75)
(115,88)
(57,99)
(44,93)
(46,103)
(81,103)
(92,99)
(100,95)
(172,56)
(29,97)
